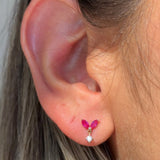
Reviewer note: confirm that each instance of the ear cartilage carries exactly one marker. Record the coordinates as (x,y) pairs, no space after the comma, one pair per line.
(89,128)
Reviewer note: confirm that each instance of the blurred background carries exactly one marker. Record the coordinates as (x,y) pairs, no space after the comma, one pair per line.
(6,12)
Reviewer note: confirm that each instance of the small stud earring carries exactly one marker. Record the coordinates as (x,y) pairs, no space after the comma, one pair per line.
(89,128)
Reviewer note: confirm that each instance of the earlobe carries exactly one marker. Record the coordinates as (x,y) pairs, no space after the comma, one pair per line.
(54,41)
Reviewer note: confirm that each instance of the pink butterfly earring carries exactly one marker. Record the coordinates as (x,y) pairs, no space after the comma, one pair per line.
(89,128)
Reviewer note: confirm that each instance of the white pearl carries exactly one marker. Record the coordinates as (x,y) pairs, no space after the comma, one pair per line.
(89,139)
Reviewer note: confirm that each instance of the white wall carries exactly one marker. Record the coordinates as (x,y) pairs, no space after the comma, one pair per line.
(6,9)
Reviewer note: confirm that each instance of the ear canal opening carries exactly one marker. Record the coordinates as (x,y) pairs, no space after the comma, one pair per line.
(73,69)
(94,86)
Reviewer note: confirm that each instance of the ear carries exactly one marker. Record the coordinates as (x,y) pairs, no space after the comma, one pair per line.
(54,41)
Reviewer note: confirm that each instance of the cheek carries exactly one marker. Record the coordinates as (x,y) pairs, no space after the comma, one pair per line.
(150,36)
(124,112)
(121,102)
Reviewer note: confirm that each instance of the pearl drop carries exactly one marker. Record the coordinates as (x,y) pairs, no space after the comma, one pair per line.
(89,139)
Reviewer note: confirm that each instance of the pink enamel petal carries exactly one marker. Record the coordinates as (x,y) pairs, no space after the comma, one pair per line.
(94,124)
(85,124)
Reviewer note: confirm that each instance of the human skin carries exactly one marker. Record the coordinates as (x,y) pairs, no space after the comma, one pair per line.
(132,129)
(137,127)
(136,134)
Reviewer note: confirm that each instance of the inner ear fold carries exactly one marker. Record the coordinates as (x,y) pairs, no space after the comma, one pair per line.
(55,36)
(72,67)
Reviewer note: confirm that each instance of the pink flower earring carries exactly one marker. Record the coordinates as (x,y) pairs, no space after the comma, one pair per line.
(89,128)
